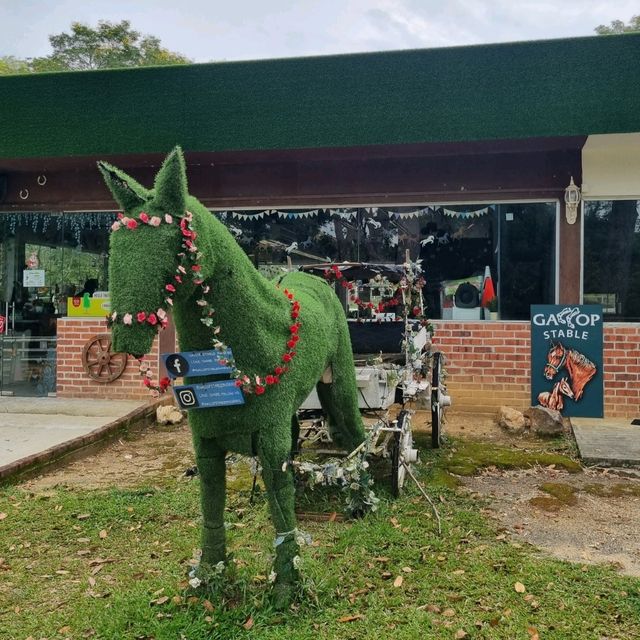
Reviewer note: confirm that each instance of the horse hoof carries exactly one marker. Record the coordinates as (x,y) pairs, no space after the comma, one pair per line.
(282,595)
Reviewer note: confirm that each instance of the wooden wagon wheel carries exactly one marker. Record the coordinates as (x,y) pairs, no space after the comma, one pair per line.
(100,363)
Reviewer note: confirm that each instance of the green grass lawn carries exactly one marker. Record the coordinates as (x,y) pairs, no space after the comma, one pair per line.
(111,564)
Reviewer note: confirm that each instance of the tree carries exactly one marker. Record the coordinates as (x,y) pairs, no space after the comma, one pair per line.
(10,66)
(109,46)
(617,26)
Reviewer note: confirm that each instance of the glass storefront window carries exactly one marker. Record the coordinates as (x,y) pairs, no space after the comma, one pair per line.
(611,258)
(515,243)
(45,257)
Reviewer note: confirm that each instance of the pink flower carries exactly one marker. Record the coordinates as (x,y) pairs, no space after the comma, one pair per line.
(201,303)
(144,217)
(115,226)
(178,279)
(170,287)
(169,301)
(181,269)
(127,318)
(155,221)
(196,267)
(141,316)
(259,390)
(161,313)
(152,319)
(206,289)
(167,218)
(131,224)
(120,215)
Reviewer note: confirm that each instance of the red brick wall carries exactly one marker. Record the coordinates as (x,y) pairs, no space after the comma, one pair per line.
(488,365)
(73,381)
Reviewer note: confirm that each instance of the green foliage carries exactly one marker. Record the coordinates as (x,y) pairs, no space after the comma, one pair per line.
(618,26)
(110,45)
(10,66)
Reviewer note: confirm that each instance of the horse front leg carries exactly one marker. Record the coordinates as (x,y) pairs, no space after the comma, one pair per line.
(210,458)
(274,451)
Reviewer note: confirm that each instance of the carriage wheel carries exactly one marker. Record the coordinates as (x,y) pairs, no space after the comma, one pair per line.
(402,452)
(437,404)
(100,363)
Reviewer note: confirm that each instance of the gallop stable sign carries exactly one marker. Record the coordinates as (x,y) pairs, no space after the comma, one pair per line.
(566,359)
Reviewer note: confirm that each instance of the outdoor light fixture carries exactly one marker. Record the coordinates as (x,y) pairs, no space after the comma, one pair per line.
(572,200)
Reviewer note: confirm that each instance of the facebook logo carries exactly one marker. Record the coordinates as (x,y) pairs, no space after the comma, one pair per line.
(177,365)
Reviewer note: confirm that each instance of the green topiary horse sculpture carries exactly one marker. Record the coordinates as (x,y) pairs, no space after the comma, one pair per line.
(169,253)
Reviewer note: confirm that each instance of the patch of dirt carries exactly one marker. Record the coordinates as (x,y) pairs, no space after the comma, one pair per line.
(147,456)
(590,517)
(562,514)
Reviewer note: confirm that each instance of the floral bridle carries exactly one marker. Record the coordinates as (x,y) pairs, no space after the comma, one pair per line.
(189,267)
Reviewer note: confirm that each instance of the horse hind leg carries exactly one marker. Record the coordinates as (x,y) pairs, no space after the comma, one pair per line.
(339,399)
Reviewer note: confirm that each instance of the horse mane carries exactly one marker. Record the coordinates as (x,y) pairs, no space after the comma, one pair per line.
(580,359)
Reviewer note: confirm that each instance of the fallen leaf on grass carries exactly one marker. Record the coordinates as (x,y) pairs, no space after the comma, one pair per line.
(431,608)
(63,630)
(449,613)
(460,634)
(209,607)
(398,581)
(160,600)
(357,616)
(519,587)
(92,581)
(407,569)
(248,624)
(83,516)
(103,534)
(3,516)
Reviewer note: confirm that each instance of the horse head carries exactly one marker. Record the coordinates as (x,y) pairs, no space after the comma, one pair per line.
(150,261)
(556,357)
(565,388)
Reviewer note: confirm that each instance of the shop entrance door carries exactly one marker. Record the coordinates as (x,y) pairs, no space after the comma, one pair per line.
(30,271)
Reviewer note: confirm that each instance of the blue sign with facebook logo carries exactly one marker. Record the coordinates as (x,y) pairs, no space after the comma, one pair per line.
(203,395)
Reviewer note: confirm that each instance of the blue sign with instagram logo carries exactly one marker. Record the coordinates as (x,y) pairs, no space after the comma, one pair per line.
(203,395)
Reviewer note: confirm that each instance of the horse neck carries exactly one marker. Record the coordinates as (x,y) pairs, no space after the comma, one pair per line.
(574,365)
(237,292)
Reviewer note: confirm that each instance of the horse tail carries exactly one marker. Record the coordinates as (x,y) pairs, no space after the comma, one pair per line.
(339,398)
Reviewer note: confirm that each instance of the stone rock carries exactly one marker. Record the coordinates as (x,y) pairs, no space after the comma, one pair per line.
(510,419)
(543,421)
(168,414)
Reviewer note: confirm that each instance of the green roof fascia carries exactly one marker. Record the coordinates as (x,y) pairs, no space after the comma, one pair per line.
(568,87)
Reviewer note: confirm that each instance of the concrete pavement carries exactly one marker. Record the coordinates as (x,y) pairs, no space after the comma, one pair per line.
(38,431)
(607,442)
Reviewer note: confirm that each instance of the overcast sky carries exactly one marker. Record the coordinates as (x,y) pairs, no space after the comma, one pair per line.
(213,30)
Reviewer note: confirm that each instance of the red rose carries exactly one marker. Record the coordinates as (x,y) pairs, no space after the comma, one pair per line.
(293,328)
(269,379)
(279,371)
(195,267)
(152,319)
(131,224)
(296,338)
(286,357)
(238,383)
(144,217)
(259,390)
(170,287)
(146,382)
(141,316)
(120,215)
(294,314)
(291,344)
(416,311)
(164,383)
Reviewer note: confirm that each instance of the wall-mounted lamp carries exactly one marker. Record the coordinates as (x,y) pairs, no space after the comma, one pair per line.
(572,200)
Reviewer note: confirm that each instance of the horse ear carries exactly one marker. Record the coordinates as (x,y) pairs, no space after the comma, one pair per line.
(126,191)
(171,184)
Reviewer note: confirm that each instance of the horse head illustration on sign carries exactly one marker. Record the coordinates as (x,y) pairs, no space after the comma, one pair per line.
(579,367)
(169,254)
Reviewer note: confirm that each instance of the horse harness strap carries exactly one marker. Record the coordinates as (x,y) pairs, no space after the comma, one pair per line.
(560,364)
